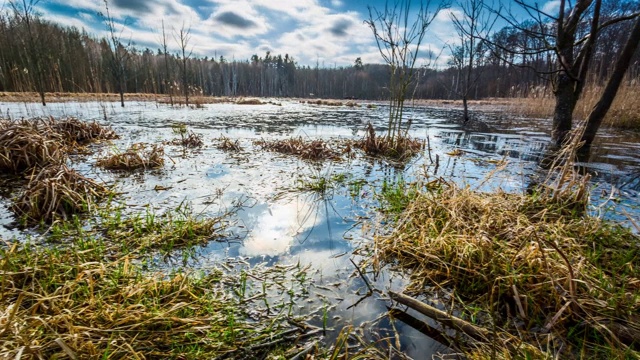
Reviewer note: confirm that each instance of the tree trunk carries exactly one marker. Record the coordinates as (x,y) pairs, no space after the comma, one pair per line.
(602,107)
(563,113)
(466,109)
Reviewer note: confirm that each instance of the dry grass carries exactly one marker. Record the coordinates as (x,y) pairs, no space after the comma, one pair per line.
(226,144)
(624,112)
(138,156)
(27,144)
(187,138)
(73,303)
(531,265)
(249,101)
(80,132)
(401,148)
(56,192)
(308,150)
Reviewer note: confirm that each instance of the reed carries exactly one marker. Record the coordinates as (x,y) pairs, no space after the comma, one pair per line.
(56,193)
(308,150)
(401,148)
(138,156)
(29,144)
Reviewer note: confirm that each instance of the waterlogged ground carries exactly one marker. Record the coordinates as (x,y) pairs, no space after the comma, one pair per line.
(278,224)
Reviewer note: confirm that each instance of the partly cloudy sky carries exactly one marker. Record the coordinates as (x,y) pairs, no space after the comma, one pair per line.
(331,32)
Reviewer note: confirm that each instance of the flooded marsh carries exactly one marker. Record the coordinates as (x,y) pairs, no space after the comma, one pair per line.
(254,225)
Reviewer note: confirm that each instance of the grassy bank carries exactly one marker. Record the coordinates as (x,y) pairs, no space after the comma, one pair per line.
(544,278)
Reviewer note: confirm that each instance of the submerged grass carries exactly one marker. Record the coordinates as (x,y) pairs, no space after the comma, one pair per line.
(56,192)
(138,156)
(308,150)
(179,228)
(400,148)
(541,271)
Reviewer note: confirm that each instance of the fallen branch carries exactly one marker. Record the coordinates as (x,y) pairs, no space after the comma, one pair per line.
(466,327)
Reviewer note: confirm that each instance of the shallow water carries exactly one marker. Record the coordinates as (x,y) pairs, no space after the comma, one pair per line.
(279,225)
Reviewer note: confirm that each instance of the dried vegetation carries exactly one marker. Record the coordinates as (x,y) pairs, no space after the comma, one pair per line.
(138,156)
(308,150)
(226,144)
(543,277)
(56,192)
(400,148)
(26,144)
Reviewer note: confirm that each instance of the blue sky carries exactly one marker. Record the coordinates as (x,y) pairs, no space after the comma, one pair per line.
(331,32)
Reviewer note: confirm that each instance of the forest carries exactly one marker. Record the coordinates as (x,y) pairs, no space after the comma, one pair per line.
(41,55)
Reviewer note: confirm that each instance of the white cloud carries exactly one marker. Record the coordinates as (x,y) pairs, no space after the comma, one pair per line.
(551,7)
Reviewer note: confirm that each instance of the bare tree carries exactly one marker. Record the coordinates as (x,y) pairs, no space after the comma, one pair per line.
(24,11)
(399,31)
(183,37)
(594,120)
(119,54)
(570,37)
(168,86)
(474,25)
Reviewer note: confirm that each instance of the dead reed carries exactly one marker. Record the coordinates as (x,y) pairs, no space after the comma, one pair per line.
(187,138)
(400,148)
(308,150)
(624,112)
(226,144)
(81,132)
(249,101)
(524,266)
(138,156)
(56,192)
(27,144)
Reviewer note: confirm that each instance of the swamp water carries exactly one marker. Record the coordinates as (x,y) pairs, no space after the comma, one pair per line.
(278,224)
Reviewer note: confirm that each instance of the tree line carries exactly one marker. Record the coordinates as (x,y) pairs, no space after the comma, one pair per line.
(38,55)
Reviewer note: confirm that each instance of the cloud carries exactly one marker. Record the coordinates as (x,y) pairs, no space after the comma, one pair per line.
(340,27)
(551,7)
(234,20)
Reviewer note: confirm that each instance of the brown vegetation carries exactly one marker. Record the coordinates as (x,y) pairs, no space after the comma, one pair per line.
(401,148)
(26,144)
(308,150)
(56,192)
(226,144)
(624,112)
(533,264)
(138,156)
(249,101)
(81,132)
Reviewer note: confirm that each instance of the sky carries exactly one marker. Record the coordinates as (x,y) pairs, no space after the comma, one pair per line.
(327,32)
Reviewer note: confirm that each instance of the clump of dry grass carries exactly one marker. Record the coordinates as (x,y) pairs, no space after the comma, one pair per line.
(249,101)
(187,138)
(226,144)
(400,148)
(138,156)
(308,150)
(27,144)
(533,264)
(56,192)
(81,132)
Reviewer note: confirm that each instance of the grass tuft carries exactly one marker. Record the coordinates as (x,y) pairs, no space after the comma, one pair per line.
(56,192)
(138,156)
(400,148)
(226,144)
(308,150)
